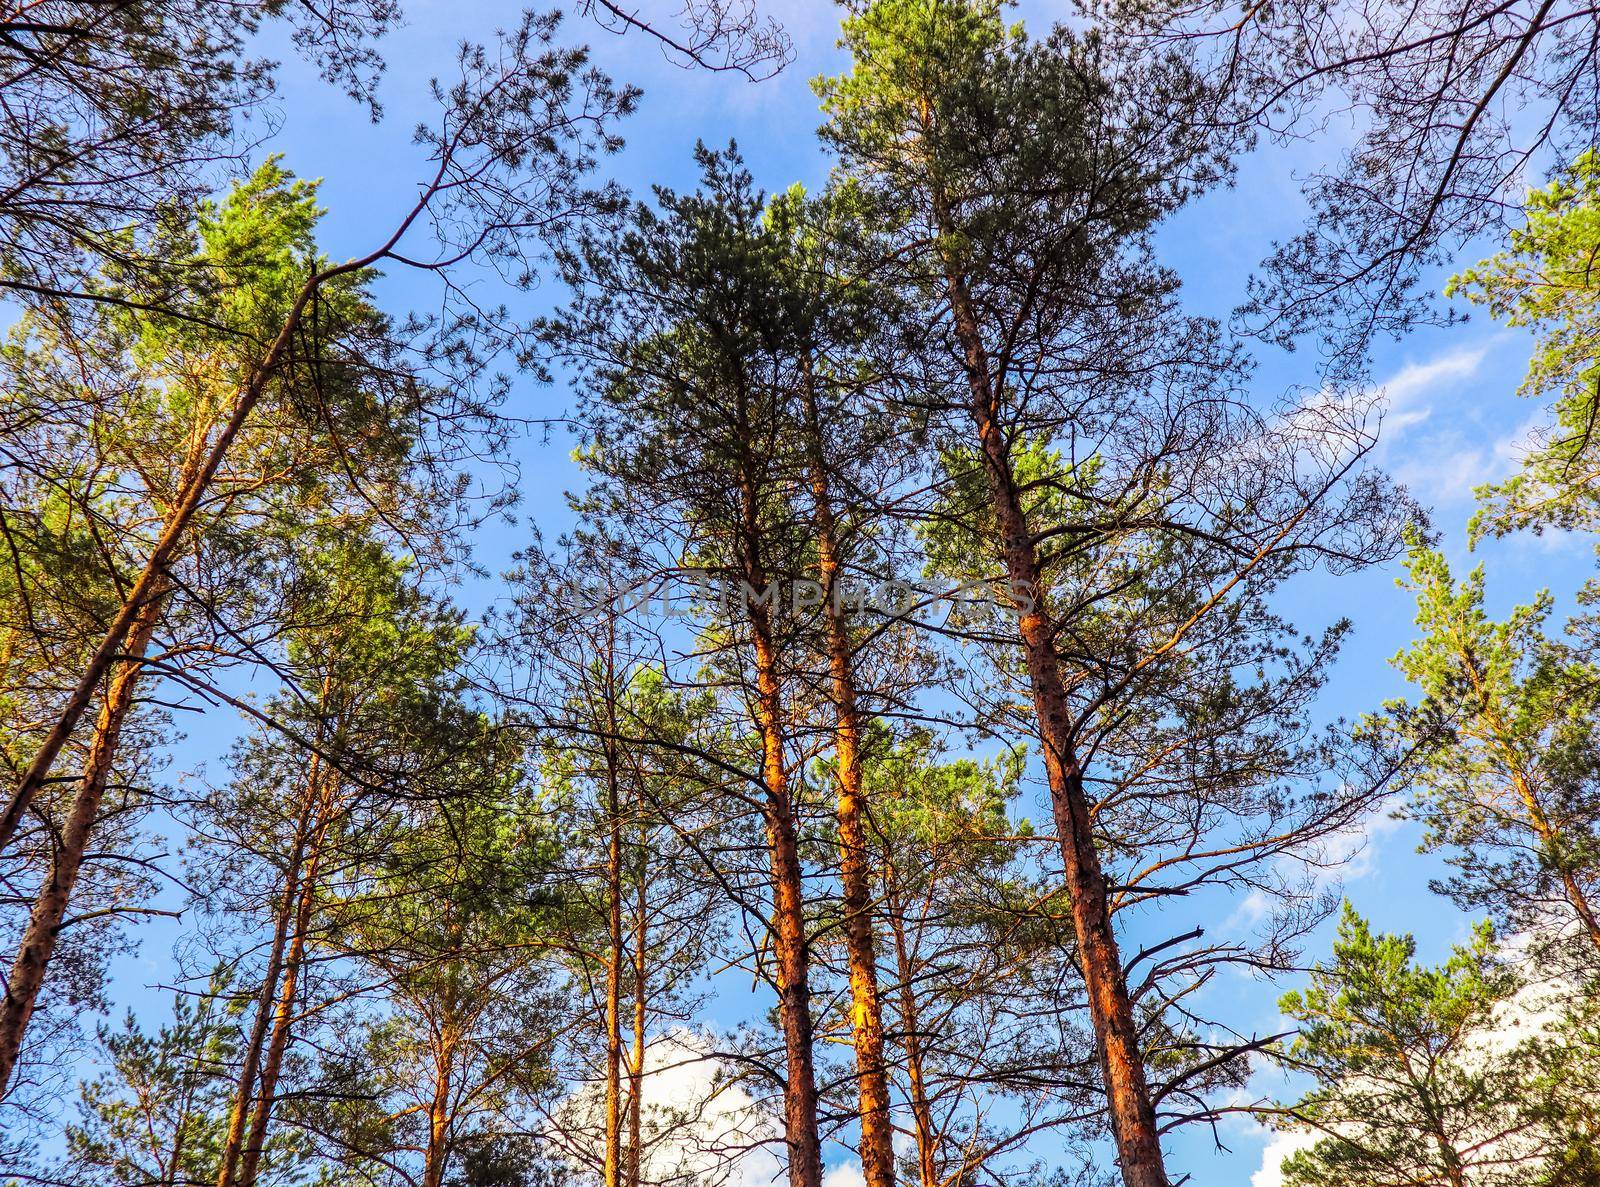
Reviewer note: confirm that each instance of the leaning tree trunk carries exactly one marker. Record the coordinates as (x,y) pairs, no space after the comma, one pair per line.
(205,458)
(1128,1099)
(50,907)
(1554,846)
(866,1014)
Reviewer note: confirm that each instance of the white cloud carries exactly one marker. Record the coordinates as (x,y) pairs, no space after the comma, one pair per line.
(700,1126)
(1444,459)
(1339,858)
(844,1174)
(1446,471)
(1408,392)
(1333,420)
(1354,852)
(1280,1147)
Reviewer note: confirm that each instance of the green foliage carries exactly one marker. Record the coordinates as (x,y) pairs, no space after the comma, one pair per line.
(1412,1082)
(454,919)
(1020,150)
(678,326)
(159,1113)
(1503,753)
(928,813)
(1549,281)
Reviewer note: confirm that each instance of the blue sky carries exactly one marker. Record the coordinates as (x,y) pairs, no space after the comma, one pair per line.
(1454,420)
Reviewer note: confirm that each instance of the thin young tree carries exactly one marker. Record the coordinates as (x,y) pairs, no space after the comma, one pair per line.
(1411,1082)
(1503,760)
(314,796)
(452,925)
(625,769)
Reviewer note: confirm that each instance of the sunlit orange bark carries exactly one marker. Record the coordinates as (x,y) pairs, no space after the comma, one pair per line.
(204,457)
(789,942)
(50,907)
(1495,736)
(1133,1121)
(866,1015)
(293,967)
(433,1165)
(641,988)
(250,1066)
(612,1167)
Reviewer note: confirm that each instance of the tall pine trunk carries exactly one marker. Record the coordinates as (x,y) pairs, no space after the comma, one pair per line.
(612,1167)
(293,968)
(250,1064)
(641,988)
(790,946)
(911,1042)
(788,937)
(1132,1113)
(50,906)
(866,1014)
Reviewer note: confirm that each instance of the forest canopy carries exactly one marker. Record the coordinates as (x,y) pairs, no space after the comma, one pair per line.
(931,592)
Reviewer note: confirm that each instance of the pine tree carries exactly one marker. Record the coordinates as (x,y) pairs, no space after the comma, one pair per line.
(985,1005)
(1078,418)
(1412,1085)
(688,365)
(1546,280)
(158,1114)
(1504,759)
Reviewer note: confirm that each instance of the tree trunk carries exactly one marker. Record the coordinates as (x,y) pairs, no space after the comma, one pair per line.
(50,907)
(433,1166)
(1133,1122)
(1554,846)
(911,1043)
(149,588)
(244,1091)
(293,964)
(641,987)
(191,1081)
(791,952)
(866,1014)
(612,1169)
(790,947)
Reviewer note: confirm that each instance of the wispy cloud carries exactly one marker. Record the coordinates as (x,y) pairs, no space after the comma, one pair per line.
(1340,858)
(1409,393)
